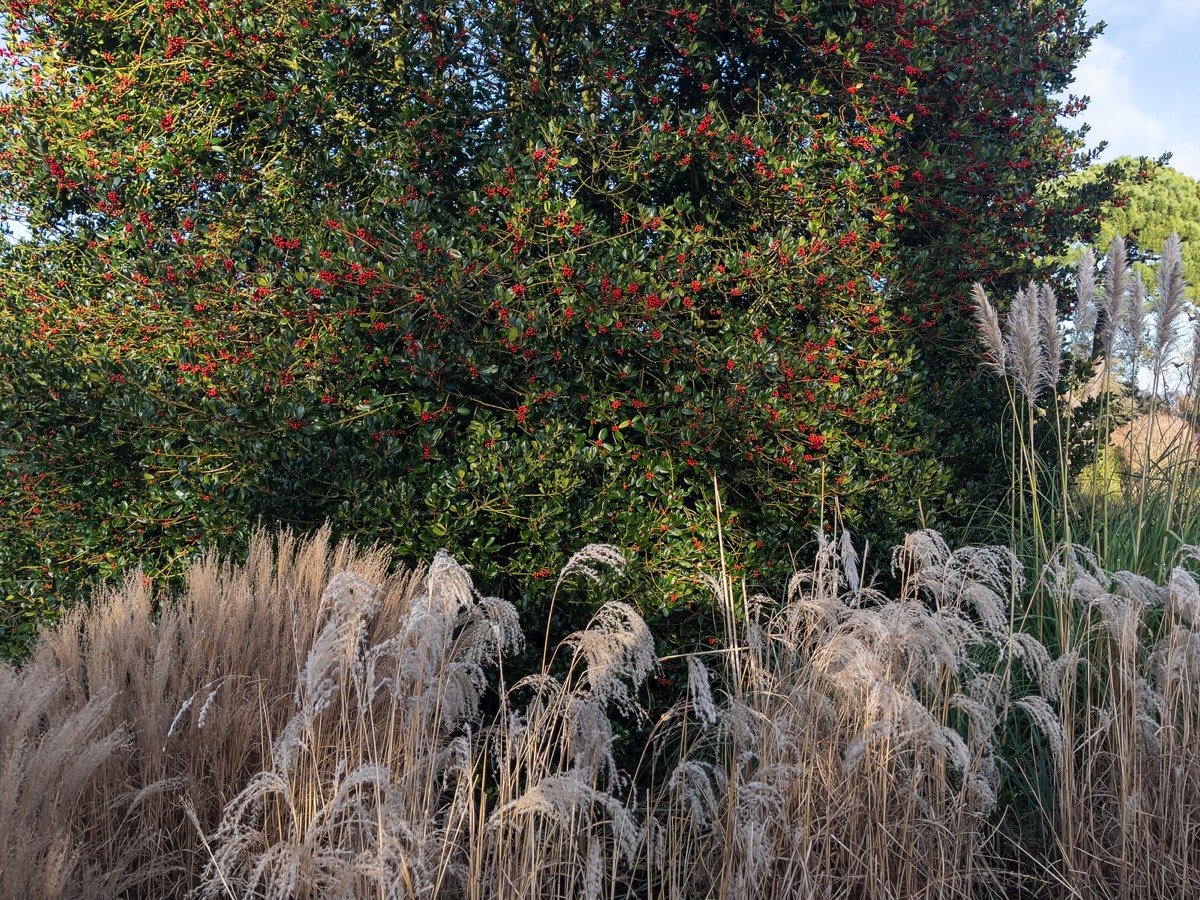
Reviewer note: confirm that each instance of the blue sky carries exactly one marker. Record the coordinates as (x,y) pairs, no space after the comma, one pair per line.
(1143,75)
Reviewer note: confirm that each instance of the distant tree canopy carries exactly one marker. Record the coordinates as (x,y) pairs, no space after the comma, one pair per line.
(1150,210)
(506,276)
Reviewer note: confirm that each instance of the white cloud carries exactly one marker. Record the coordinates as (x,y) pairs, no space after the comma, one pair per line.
(1130,114)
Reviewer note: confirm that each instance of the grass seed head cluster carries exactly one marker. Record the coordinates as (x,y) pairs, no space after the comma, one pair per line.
(312,724)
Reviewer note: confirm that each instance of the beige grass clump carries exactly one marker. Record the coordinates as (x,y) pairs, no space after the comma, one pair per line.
(375,786)
(834,766)
(1128,808)
(369,782)
(309,726)
(49,756)
(859,751)
(102,697)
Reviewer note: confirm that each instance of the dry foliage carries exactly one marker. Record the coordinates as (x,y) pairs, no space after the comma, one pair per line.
(101,741)
(309,725)
(1156,443)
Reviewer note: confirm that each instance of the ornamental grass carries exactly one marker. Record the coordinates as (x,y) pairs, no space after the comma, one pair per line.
(314,723)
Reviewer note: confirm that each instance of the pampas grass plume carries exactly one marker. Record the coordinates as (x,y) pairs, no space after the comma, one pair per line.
(1168,309)
(1135,318)
(581,562)
(1084,322)
(1024,344)
(1116,286)
(987,322)
(1051,335)
(700,692)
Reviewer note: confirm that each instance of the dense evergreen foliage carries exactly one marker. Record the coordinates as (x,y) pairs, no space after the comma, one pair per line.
(508,276)
(1153,204)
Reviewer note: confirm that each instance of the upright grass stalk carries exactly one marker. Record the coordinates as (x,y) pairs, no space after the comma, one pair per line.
(1027,355)
(1045,498)
(1114,705)
(1112,308)
(1168,308)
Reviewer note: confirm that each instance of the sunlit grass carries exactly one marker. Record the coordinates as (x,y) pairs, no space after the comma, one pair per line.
(314,725)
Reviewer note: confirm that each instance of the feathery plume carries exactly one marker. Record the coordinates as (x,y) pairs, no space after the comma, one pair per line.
(992,689)
(1033,310)
(1046,719)
(1121,617)
(1031,652)
(1183,595)
(1023,344)
(988,324)
(1051,335)
(591,737)
(1169,308)
(1139,588)
(990,605)
(1061,674)
(616,645)
(981,718)
(979,795)
(581,561)
(1135,320)
(700,692)
(203,714)
(694,782)
(1116,285)
(1084,321)
(850,562)
(557,798)
(1175,662)
(187,704)
(593,877)
(1171,282)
